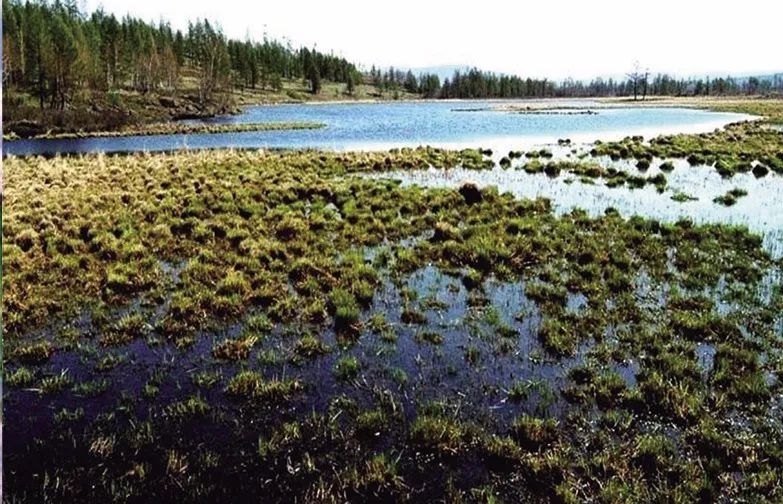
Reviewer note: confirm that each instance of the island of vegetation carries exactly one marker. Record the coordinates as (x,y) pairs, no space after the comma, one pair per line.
(179,128)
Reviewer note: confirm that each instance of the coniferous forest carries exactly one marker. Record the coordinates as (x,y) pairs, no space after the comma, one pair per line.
(63,67)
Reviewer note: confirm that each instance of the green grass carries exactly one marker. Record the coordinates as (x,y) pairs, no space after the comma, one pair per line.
(347,368)
(289,256)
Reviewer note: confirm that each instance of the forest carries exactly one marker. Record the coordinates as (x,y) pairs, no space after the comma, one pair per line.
(53,50)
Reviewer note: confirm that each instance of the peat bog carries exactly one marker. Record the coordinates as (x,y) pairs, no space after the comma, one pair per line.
(304,325)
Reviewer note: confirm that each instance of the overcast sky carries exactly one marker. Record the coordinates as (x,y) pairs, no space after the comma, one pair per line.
(545,38)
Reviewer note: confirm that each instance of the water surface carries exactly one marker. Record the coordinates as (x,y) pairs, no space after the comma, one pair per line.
(380,126)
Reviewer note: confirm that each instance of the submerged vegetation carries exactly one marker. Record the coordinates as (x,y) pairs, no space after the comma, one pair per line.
(199,325)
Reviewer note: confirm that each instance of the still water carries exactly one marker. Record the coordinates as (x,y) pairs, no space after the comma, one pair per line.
(380,126)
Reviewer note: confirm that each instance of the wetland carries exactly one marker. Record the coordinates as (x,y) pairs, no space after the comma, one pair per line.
(522,319)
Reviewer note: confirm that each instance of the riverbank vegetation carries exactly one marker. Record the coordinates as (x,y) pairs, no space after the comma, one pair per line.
(196,325)
(180,128)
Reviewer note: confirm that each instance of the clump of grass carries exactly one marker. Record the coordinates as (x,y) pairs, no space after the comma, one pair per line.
(259,324)
(234,284)
(191,407)
(431,337)
(207,379)
(472,279)
(287,434)
(546,294)
(472,355)
(731,197)
(128,328)
(346,310)
(377,477)
(109,362)
(33,353)
(535,433)
(557,337)
(653,453)
(310,347)
(92,388)
(65,415)
(399,376)
(235,348)
(681,197)
(55,383)
(411,315)
(347,368)
(371,422)
(20,378)
(251,385)
(439,434)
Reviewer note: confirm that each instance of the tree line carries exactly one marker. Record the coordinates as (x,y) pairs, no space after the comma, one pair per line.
(474,83)
(52,50)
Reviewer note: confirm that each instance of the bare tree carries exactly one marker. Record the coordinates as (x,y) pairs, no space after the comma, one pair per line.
(639,78)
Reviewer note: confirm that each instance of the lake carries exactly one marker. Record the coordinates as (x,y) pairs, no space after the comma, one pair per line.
(380,126)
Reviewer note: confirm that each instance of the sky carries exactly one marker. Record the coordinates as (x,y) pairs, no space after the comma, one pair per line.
(554,39)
